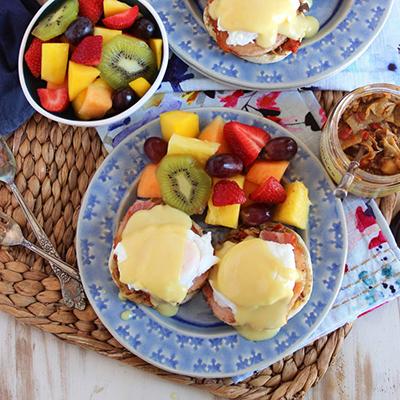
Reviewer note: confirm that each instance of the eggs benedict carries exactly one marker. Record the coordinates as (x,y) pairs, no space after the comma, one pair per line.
(160,257)
(259,31)
(263,278)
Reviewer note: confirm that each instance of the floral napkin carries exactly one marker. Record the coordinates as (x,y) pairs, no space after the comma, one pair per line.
(372,271)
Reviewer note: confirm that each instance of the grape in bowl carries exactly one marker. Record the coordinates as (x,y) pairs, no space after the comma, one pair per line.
(86,98)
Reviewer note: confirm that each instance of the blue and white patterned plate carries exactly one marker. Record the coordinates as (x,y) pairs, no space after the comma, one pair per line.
(194,342)
(348,27)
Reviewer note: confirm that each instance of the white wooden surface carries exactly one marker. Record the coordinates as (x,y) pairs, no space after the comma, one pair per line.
(36,366)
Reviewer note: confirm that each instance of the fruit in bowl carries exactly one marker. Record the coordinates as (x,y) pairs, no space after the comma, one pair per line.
(93,59)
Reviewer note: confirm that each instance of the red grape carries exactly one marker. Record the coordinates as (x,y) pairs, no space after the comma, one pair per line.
(224,165)
(124,99)
(255,215)
(155,149)
(280,148)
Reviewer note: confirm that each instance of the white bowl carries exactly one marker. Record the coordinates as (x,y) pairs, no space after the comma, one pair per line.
(26,77)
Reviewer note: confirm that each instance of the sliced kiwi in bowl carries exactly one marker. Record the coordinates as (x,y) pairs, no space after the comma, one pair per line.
(183,183)
(57,22)
(126,58)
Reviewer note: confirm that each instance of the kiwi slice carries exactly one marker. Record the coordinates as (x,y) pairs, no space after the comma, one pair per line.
(184,184)
(57,22)
(126,58)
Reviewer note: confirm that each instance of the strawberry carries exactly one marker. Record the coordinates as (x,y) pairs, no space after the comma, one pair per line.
(271,192)
(88,51)
(122,20)
(92,9)
(33,57)
(258,135)
(54,100)
(245,141)
(226,193)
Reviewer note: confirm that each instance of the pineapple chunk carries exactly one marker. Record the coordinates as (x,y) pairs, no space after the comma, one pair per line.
(156,46)
(196,148)
(113,7)
(294,210)
(140,86)
(227,215)
(178,122)
(79,78)
(107,34)
(54,62)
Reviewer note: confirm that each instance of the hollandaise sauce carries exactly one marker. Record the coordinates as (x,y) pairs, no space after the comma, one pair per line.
(126,315)
(257,277)
(266,18)
(153,242)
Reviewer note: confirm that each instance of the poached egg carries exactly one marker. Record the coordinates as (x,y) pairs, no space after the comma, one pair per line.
(260,21)
(161,255)
(255,279)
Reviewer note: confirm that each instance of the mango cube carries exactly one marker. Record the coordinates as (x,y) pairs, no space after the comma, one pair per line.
(112,7)
(79,78)
(54,62)
(196,148)
(178,122)
(107,34)
(140,86)
(260,171)
(226,215)
(214,132)
(294,210)
(148,186)
(94,101)
(156,46)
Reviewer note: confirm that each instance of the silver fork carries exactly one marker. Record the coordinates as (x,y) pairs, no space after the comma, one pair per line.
(71,288)
(11,235)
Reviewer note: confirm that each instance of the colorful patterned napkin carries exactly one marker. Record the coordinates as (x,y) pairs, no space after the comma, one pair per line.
(372,275)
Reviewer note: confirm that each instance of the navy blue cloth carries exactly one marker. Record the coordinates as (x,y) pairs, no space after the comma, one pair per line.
(15,16)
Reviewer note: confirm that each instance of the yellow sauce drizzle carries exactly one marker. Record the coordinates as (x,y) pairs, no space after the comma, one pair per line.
(267,18)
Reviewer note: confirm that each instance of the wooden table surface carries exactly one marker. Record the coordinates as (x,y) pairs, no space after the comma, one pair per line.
(36,366)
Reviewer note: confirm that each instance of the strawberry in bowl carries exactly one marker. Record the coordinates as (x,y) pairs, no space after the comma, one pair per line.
(92,62)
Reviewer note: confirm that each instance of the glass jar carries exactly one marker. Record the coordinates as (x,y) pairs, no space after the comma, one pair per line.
(334,158)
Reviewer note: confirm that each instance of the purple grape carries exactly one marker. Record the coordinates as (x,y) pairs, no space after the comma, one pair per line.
(124,99)
(279,149)
(143,28)
(224,165)
(155,149)
(79,29)
(255,215)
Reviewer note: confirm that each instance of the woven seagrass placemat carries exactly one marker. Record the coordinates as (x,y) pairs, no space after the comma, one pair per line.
(55,164)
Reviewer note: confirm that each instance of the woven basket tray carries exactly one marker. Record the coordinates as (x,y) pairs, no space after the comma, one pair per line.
(55,164)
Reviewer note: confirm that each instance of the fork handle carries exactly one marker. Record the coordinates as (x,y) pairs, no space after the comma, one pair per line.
(50,258)
(72,290)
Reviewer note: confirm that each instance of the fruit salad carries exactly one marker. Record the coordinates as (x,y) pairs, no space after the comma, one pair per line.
(231,172)
(95,58)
